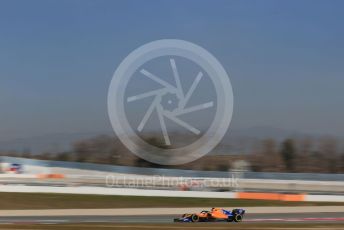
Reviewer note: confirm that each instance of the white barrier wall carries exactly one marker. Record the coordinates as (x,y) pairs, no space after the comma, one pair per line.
(113,191)
(324,198)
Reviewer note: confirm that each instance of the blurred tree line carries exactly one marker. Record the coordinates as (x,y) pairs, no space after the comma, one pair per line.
(305,155)
(323,155)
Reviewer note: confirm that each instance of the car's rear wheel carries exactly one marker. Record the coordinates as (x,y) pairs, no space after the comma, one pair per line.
(238,218)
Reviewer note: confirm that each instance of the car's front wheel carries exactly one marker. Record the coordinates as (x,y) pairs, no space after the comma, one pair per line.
(194,218)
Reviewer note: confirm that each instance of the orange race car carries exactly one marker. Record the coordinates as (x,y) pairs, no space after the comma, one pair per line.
(215,214)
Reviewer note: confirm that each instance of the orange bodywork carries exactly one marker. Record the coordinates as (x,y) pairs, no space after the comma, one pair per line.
(218,213)
(215,213)
(202,214)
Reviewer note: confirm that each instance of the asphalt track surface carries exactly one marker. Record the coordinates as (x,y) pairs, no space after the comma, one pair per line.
(265,218)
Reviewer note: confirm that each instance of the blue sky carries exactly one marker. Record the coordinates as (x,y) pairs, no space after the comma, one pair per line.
(285,59)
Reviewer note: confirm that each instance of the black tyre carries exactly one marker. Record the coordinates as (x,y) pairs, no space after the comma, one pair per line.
(194,218)
(238,218)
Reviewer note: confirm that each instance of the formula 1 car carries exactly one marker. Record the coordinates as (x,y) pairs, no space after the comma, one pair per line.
(214,215)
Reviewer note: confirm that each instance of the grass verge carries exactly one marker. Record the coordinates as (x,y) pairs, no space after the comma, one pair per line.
(12,201)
